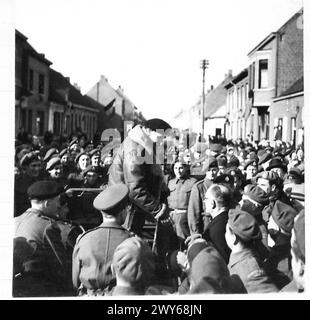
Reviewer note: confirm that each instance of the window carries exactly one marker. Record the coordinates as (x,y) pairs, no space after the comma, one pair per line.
(263,74)
(253,75)
(30,80)
(40,123)
(267,125)
(41,83)
(293,130)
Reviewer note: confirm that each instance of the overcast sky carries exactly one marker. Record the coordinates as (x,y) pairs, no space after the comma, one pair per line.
(152,48)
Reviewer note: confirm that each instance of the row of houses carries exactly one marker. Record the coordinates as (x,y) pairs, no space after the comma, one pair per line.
(45,100)
(263,101)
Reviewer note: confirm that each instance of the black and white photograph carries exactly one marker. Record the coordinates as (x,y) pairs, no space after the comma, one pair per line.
(156,148)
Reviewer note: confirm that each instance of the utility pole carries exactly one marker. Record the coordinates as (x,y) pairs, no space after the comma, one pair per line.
(203,65)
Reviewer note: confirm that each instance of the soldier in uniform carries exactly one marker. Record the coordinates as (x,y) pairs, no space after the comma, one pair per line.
(45,271)
(197,220)
(180,188)
(31,165)
(94,249)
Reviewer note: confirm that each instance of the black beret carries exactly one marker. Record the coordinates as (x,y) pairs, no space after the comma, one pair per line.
(257,194)
(87,143)
(94,152)
(52,163)
(79,155)
(42,190)
(295,172)
(264,158)
(224,178)
(244,225)
(28,158)
(49,154)
(211,162)
(222,161)
(111,198)
(156,123)
(283,215)
(277,163)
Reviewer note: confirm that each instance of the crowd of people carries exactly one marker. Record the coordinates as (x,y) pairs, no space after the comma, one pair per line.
(224,216)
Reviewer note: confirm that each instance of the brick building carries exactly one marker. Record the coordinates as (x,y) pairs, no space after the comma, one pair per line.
(286,111)
(31,87)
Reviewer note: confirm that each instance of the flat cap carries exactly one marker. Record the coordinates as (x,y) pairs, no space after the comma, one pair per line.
(295,172)
(156,123)
(87,143)
(111,198)
(49,154)
(28,158)
(271,176)
(244,225)
(133,261)
(277,163)
(257,194)
(52,163)
(45,189)
(283,215)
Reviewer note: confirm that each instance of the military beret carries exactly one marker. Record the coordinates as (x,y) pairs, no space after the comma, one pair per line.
(63,152)
(211,162)
(233,171)
(156,123)
(299,230)
(87,143)
(277,163)
(133,261)
(52,163)
(74,141)
(252,162)
(45,189)
(111,198)
(233,162)
(264,158)
(244,225)
(224,178)
(208,263)
(49,154)
(216,147)
(79,155)
(283,215)
(257,194)
(28,158)
(295,172)
(94,152)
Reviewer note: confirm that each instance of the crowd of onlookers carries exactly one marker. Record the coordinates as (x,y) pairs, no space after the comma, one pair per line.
(224,216)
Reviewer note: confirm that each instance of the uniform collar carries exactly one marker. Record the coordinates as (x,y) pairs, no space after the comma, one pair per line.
(111,224)
(236,257)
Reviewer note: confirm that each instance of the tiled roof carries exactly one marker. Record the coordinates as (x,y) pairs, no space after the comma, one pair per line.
(60,87)
(216,98)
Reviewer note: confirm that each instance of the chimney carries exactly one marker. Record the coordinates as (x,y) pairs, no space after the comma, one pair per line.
(229,73)
(211,88)
(103,78)
(76,86)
